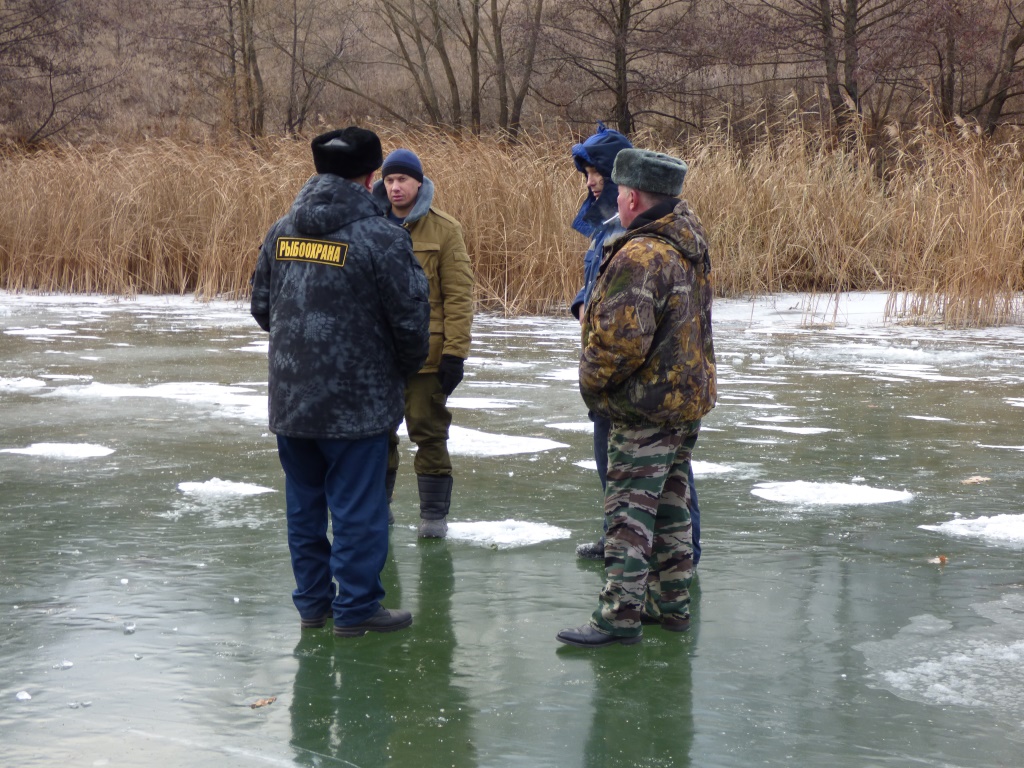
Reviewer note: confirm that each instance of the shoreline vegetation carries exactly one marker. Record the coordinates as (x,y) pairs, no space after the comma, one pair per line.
(934,215)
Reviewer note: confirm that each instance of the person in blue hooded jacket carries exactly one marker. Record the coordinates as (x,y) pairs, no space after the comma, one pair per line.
(598,219)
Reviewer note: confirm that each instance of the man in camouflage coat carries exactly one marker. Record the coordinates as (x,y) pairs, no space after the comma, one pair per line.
(648,365)
(345,302)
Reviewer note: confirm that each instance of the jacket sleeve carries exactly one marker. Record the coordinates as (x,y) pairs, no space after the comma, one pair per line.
(259,304)
(456,274)
(577,304)
(621,321)
(403,289)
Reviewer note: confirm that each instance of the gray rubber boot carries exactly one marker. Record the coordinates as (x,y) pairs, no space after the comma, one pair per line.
(435,500)
(389,487)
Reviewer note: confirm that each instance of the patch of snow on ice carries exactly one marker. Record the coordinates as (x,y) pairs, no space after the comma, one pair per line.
(62,450)
(927,418)
(219,488)
(40,332)
(233,401)
(586,464)
(472,442)
(482,403)
(563,374)
(572,426)
(20,384)
(702,468)
(931,662)
(791,430)
(506,534)
(814,494)
(997,528)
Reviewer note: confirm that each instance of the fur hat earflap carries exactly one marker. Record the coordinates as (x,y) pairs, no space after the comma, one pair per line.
(648,171)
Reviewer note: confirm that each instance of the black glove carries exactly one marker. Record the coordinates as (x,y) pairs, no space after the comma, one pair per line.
(450,371)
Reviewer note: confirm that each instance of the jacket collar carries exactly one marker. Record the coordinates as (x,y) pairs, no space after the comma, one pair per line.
(420,208)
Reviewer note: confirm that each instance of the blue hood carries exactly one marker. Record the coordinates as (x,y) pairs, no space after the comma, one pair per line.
(599,151)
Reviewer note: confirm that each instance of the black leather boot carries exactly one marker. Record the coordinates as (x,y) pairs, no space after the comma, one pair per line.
(435,499)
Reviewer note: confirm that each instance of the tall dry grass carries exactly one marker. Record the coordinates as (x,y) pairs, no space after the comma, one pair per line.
(791,212)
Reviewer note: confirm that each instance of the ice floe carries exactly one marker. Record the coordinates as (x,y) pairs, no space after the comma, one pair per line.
(813,494)
(62,450)
(1004,529)
(933,662)
(505,534)
(20,384)
(217,488)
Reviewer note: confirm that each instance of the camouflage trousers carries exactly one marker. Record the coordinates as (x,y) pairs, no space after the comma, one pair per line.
(648,549)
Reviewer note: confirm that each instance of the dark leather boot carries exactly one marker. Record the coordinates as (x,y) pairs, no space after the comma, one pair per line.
(435,499)
(389,486)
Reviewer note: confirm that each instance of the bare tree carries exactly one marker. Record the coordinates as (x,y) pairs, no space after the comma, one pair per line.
(515,34)
(214,45)
(50,79)
(836,37)
(1007,78)
(622,47)
(306,33)
(420,29)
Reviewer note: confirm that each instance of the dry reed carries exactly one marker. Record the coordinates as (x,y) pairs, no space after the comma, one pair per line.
(790,213)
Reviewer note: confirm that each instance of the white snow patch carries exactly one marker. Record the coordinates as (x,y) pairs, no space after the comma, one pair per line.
(506,534)
(928,418)
(814,494)
(62,450)
(217,488)
(791,430)
(563,374)
(240,402)
(472,442)
(703,468)
(997,528)
(933,662)
(586,464)
(40,332)
(482,403)
(20,384)
(572,426)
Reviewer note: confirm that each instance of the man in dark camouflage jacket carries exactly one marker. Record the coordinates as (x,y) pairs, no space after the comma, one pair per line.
(345,302)
(648,365)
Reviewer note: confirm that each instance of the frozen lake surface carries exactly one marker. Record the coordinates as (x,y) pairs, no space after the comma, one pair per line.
(860,601)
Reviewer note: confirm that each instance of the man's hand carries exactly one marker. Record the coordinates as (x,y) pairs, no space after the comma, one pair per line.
(450,371)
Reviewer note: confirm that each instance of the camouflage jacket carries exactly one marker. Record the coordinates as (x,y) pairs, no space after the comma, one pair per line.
(345,302)
(648,356)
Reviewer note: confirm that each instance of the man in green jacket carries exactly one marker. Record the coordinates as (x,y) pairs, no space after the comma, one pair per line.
(438,244)
(648,365)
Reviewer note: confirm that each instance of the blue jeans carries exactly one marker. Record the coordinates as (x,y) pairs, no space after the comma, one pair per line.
(341,481)
(602,426)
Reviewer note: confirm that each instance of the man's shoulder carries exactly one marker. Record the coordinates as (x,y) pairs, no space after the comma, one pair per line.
(443,218)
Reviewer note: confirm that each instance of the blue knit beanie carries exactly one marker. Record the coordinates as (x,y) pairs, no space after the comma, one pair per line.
(403,161)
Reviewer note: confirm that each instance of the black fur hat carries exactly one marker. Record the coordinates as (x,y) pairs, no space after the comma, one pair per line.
(349,152)
(648,171)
